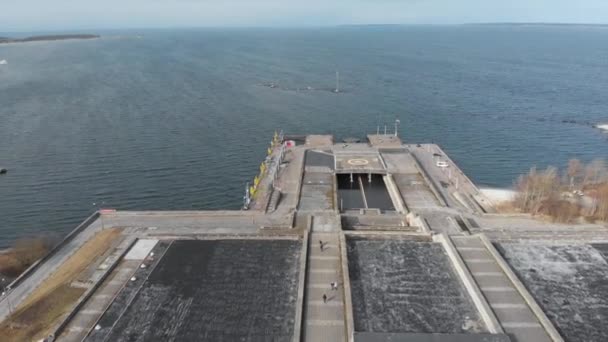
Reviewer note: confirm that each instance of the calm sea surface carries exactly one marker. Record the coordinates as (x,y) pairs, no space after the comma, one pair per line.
(181,119)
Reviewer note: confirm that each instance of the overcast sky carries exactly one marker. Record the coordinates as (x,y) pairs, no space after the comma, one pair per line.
(31,15)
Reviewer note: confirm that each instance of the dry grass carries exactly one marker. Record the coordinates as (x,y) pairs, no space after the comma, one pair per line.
(54,298)
(23,254)
(506,208)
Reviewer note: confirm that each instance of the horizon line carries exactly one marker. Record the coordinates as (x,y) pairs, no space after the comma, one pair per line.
(185,27)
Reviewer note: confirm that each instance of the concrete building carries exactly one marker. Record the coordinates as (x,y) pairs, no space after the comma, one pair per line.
(369,242)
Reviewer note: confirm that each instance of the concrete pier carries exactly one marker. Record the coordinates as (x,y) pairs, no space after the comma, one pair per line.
(409,241)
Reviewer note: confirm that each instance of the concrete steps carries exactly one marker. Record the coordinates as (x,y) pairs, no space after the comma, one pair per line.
(274,200)
(323,321)
(512,311)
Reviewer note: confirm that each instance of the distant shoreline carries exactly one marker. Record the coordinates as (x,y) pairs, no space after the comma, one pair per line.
(5,40)
(539,24)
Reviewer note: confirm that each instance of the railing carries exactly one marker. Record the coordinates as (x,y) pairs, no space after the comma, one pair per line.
(52,252)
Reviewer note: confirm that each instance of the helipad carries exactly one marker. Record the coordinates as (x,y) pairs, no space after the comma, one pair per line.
(359,163)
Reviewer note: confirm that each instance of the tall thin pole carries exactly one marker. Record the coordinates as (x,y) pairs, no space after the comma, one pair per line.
(397,122)
(337,82)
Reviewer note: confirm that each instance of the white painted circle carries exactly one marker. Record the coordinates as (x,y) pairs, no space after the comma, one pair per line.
(358,162)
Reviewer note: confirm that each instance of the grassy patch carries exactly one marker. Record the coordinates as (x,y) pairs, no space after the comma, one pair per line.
(54,298)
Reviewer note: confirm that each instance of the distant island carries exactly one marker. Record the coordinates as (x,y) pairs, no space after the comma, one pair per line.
(5,40)
(539,24)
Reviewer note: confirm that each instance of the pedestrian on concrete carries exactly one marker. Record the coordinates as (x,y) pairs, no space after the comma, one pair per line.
(321,245)
(334,286)
(324,298)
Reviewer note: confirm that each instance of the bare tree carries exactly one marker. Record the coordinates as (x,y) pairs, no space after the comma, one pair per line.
(595,172)
(535,188)
(602,203)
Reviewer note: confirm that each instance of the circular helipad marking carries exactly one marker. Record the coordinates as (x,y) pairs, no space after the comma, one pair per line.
(358,162)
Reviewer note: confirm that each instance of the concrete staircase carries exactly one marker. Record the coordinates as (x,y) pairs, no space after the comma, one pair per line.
(324,322)
(511,309)
(274,200)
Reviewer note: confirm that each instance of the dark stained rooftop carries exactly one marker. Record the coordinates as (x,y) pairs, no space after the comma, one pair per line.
(569,282)
(403,286)
(213,290)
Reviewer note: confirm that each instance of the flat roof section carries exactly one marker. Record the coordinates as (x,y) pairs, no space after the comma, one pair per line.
(358,163)
(317,191)
(399,162)
(319,159)
(415,191)
(405,286)
(569,282)
(212,290)
(141,249)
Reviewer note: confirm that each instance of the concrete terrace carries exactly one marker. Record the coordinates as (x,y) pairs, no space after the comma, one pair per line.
(417,252)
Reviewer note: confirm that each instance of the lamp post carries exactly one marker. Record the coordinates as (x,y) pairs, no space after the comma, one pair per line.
(98,209)
(397,123)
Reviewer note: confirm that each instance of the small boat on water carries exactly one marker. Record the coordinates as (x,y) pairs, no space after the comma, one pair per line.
(3,62)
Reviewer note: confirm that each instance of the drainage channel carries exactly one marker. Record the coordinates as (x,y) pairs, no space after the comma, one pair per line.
(363,191)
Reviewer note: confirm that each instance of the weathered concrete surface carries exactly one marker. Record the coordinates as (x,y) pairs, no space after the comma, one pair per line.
(317,192)
(415,192)
(231,290)
(384,140)
(568,282)
(516,227)
(407,286)
(319,159)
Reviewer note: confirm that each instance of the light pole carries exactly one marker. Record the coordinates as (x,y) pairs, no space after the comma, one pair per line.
(99,207)
(397,123)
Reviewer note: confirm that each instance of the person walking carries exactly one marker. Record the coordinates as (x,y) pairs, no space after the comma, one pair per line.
(321,245)
(324,298)
(334,286)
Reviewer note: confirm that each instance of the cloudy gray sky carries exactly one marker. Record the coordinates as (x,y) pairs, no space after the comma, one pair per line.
(30,15)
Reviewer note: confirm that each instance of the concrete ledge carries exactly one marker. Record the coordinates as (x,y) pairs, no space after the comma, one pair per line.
(348,301)
(394,194)
(185,213)
(479,300)
(389,234)
(297,330)
(253,236)
(334,198)
(418,221)
(538,312)
(300,178)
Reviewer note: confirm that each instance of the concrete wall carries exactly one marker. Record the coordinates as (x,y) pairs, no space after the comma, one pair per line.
(299,318)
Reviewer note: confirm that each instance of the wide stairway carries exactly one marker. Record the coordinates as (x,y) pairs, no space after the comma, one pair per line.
(510,308)
(324,321)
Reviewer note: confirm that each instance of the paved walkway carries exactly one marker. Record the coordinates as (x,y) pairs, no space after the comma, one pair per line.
(89,314)
(324,321)
(514,315)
